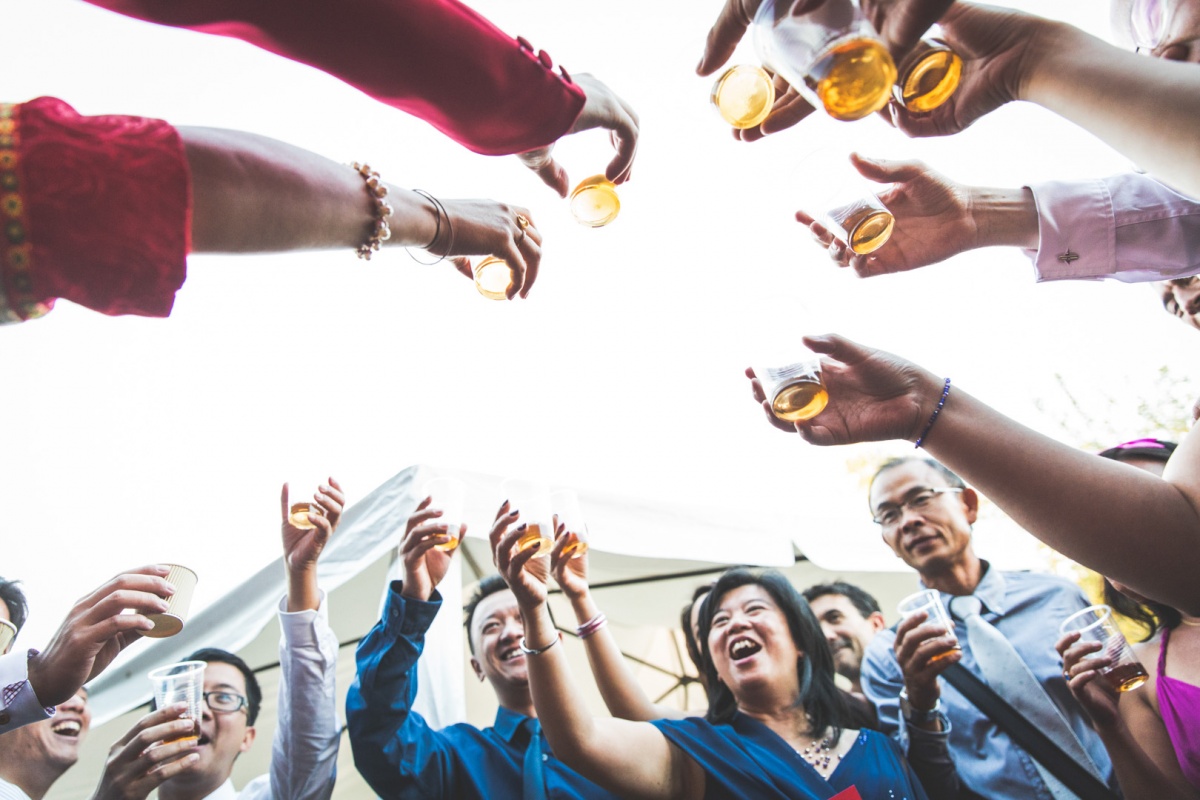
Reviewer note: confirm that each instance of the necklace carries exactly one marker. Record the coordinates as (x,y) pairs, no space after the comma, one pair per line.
(819,753)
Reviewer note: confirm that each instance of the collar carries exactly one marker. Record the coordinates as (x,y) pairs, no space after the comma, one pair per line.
(990,591)
(224,792)
(508,722)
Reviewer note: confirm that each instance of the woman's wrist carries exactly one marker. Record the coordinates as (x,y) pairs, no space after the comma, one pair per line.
(584,606)
(931,397)
(539,627)
(414,219)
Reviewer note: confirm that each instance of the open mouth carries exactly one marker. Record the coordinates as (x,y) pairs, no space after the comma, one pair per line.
(743,648)
(70,728)
(203,740)
(511,654)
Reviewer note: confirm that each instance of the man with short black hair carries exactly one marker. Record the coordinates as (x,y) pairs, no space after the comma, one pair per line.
(304,752)
(13,606)
(394,748)
(850,618)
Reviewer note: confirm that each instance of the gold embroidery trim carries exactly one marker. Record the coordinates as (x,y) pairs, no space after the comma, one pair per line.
(17,300)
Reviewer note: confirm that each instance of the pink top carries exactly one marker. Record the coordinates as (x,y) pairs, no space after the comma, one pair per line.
(1179,703)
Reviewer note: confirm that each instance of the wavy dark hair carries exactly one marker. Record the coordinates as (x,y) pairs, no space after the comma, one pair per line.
(1155,616)
(823,701)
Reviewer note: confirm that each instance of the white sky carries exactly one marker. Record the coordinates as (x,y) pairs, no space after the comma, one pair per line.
(133,440)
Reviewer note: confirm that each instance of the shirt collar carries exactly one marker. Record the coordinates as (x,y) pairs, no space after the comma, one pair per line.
(990,591)
(224,792)
(508,722)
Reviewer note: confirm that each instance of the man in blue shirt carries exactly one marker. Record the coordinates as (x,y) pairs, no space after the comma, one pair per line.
(926,513)
(396,751)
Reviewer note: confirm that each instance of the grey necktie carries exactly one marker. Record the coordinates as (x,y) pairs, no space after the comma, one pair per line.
(533,775)
(1006,672)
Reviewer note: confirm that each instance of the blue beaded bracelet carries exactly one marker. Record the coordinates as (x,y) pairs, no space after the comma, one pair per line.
(933,417)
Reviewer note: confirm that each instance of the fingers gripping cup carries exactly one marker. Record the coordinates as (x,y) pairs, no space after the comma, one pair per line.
(8,632)
(743,95)
(570,516)
(796,392)
(929,602)
(170,622)
(450,497)
(1096,624)
(299,511)
(181,683)
(531,500)
(493,278)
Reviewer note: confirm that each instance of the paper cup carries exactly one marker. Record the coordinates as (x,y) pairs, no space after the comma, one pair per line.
(8,632)
(170,622)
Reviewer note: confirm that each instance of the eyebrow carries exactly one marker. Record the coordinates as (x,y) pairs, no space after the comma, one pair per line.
(228,686)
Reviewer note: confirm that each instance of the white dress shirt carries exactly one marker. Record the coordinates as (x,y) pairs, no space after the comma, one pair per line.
(10,791)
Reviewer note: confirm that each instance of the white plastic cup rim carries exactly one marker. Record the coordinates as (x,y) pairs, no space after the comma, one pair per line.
(1102,614)
(181,670)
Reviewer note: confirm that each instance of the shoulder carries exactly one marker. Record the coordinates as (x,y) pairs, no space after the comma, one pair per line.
(879,656)
(1041,589)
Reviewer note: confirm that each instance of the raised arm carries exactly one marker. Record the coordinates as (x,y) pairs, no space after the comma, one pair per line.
(623,695)
(1081,505)
(394,748)
(631,759)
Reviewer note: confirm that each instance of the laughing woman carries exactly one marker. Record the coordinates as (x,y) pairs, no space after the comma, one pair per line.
(775,727)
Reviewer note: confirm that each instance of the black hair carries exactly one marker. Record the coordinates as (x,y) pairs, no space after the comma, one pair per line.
(1153,615)
(487,587)
(689,638)
(859,597)
(823,701)
(951,479)
(14,598)
(253,690)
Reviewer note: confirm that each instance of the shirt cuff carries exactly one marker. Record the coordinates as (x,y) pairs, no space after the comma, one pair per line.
(19,704)
(403,616)
(916,734)
(303,628)
(1077,236)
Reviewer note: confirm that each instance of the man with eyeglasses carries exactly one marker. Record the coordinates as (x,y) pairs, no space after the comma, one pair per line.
(926,513)
(304,752)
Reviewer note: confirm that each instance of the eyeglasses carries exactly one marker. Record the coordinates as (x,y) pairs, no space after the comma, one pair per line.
(890,516)
(225,702)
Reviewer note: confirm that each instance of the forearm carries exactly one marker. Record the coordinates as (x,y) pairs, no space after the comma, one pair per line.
(1149,109)
(565,719)
(303,593)
(1136,772)
(255,194)
(1004,217)
(622,694)
(1086,507)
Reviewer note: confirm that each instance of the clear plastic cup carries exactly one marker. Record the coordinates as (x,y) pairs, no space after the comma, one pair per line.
(1096,624)
(450,497)
(531,500)
(930,603)
(181,683)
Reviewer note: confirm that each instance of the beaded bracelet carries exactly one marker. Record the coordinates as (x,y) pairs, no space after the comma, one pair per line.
(381,232)
(933,417)
(591,626)
(439,210)
(529,651)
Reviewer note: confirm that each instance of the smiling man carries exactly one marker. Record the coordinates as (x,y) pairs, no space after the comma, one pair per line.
(394,748)
(850,618)
(33,757)
(926,514)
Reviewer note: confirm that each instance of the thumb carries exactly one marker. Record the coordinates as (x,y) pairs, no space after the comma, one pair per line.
(837,347)
(553,175)
(882,170)
(463,265)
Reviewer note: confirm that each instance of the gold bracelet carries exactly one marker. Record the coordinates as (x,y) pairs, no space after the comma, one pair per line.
(381,231)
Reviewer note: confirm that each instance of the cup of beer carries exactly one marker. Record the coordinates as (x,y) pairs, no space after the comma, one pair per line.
(829,54)
(929,602)
(1096,624)
(170,622)
(531,501)
(928,76)
(181,683)
(594,201)
(743,95)
(301,504)
(795,392)
(830,190)
(8,632)
(450,497)
(493,278)
(570,515)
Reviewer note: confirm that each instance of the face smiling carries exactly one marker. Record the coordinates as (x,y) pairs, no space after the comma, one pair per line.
(751,645)
(496,631)
(847,631)
(54,741)
(932,538)
(223,736)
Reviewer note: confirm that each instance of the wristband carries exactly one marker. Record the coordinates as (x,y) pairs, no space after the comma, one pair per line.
(591,626)
(529,651)
(933,417)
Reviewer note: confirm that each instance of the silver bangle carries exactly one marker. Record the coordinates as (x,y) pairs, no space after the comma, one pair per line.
(529,651)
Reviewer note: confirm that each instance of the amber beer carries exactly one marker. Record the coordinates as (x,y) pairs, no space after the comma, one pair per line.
(493,278)
(181,683)
(1126,677)
(533,537)
(854,79)
(743,96)
(298,515)
(594,201)
(928,76)
(865,223)
(801,400)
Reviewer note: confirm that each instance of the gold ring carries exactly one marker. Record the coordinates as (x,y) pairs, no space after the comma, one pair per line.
(521,238)
(522,222)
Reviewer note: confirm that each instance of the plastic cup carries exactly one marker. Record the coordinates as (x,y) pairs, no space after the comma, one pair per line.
(170,622)
(181,683)
(594,202)
(493,278)
(930,603)
(743,95)
(795,392)
(531,500)
(1096,624)
(450,497)
(570,515)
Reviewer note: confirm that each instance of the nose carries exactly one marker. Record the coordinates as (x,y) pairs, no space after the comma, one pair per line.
(513,629)
(77,704)
(830,634)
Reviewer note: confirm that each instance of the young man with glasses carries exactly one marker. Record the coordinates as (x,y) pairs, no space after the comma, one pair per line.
(304,752)
(926,514)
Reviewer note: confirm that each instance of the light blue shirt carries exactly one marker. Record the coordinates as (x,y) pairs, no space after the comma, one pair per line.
(1027,608)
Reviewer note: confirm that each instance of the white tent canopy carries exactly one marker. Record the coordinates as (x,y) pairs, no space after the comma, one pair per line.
(645,559)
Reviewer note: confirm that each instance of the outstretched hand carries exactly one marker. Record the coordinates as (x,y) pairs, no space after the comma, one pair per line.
(139,761)
(523,570)
(491,228)
(602,109)
(424,564)
(302,546)
(873,395)
(933,219)
(570,570)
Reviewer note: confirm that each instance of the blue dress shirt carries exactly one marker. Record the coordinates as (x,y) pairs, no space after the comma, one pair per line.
(1027,608)
(402,757)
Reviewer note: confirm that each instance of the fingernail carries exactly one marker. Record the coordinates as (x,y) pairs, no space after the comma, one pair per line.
(522,526)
